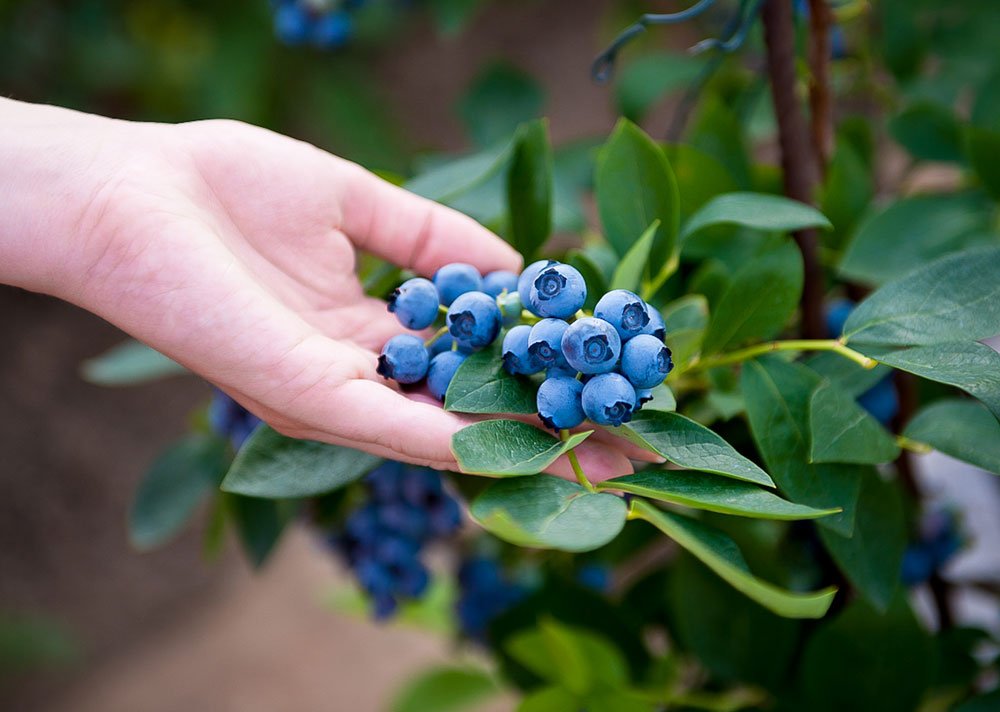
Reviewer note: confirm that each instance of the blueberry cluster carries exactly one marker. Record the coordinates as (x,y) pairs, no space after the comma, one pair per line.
(407,507)
(229,419)
(938,540)
(325,24)
(601,366)
(484,593)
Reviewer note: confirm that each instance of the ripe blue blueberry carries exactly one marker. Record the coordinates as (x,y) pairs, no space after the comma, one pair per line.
(511,307)
(655,327)
(643,396)
(441,371)
(591,345)
(403,359)
(558,291)
(563,371)
(474,320)
(527,278)
(836,316)
(495,283)
(881,400)
(415,303)
(545,343)
(514,353)
(292,23)
(609,399)
(625,311)
(559,404)
(332,30)
(645,361)
(456,279)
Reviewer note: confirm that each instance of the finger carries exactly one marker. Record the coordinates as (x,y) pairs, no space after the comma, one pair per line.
(415,232)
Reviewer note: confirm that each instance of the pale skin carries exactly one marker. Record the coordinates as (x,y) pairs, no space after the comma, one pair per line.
(232,250)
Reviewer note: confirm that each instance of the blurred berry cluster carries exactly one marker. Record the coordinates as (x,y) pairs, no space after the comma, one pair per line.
(601,366)
(325,24)
(407,507)
(939,539)
(485,592)
(230,420)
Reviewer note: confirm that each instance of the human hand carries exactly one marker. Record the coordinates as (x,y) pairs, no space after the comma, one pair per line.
(232,250)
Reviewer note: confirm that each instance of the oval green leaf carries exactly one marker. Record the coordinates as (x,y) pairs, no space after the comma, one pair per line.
(275,466)
(759,211)
(529,189)
(961,428)
(720,553)
(628,273)
(843,431)
(482,385)
(690,445)
(128,364)
(508,448)
(713,494)
(549,513)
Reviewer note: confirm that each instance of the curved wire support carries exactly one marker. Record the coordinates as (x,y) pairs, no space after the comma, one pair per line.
(734,40)
(604,64)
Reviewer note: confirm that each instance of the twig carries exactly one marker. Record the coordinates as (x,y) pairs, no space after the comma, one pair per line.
(820,100)
(797,159)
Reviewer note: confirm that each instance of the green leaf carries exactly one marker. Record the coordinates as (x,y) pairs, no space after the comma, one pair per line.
(758,211)
(128,364)
(482,385)
(929,131)
(843,431)
(663,399)
(628,273)
(171,490)
(960,428)
(636,186)
(445,689)
(989,702)
(847,375)
(872,556)
(700,177)
(529,189)
(713,494)
(645,81)
(685,320)
(720,553)
(575,658)
(275,466)
(597,285)
(550,699)
(717,131)
(549,513)
(777,395)
(954,298)
(508,448)
(915,231)
(759,300)
(973,367)
(451,16)
(846,193)
(891,661)
(984,155)
(500,99)
(449,180)
(260,523)
(32,642)
(690,445)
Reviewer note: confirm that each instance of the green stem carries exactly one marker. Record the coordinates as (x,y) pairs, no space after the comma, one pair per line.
(912,445)
(442,309)
(575,464)
(792,345)
(437,335)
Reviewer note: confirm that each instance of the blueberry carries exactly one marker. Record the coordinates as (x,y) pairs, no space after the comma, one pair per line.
(403,359)
(332,30)
(292,23)
(917,566)
(558,291)
(655,327)
(643,396)
(881,400)
(836,316)
(562,371)
(474,320)
(545,343)
(595,576)
(445,517)
(456,279)
(415,303)
(559,404)
(413,580)
(511,307)
(494,283)
(625,311)
(591,345)
(609,399)
(525,281)
(441,371)
(516,358)
(645,361)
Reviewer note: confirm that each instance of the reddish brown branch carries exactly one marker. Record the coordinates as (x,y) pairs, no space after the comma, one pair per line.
(820,100)
(797,159)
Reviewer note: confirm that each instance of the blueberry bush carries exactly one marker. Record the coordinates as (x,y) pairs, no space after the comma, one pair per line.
(785,300)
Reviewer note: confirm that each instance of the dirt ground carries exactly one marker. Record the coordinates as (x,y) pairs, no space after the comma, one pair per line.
(165,631)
